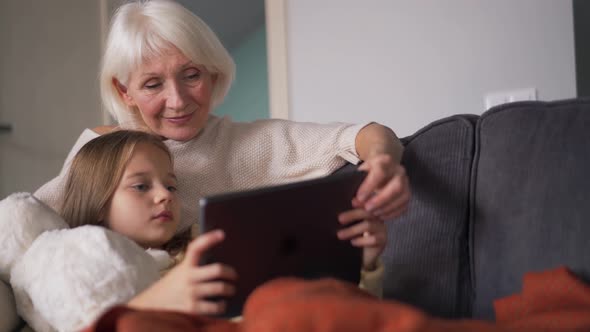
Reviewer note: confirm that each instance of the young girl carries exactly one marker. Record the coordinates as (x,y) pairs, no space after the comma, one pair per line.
(125,181)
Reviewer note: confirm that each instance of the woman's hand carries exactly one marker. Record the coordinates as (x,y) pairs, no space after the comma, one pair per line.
(369,234)
(385,192)
(188,286)
(383,195)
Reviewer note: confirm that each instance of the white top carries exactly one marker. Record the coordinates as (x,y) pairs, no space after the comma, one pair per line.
(229,156)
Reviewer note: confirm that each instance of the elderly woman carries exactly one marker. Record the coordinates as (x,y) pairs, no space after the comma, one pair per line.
(164,71)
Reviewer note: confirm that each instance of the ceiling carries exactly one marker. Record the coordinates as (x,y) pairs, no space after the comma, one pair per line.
(232,20)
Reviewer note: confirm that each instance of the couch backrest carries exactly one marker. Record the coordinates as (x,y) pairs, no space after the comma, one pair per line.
(426,258)
(530,200)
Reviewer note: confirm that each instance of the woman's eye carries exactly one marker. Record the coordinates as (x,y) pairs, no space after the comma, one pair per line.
(140,187)
(193,75)
(152,86)
(172,189)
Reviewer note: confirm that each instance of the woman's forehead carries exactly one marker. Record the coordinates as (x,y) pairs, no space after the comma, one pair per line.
(167,60)
(152,58)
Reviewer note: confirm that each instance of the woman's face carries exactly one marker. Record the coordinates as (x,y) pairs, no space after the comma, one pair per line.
(144,206)
(172,94)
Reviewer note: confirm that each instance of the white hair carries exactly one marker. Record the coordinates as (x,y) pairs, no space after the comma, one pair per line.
(143,30)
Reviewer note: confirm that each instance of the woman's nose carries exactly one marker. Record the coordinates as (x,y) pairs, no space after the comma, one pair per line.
(176,97)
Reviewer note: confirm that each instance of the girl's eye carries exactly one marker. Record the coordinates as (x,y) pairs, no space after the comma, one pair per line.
(140,187)
(172,189)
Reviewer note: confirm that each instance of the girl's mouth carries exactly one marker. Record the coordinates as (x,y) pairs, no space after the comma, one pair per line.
(164,216)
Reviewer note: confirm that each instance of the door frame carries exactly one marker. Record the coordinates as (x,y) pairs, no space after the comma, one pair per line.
(277,54)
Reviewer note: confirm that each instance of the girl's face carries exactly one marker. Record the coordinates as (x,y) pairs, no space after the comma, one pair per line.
(172,94)
(144,207)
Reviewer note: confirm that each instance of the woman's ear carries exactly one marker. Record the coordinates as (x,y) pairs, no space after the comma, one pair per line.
(122,90)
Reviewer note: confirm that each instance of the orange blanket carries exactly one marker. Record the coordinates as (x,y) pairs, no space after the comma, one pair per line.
(552,300)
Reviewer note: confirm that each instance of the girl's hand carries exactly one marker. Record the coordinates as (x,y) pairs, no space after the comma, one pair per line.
(385,192)
(369,234)
(188,286)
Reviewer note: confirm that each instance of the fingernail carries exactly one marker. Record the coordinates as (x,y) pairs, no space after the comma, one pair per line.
(362,196)
(369,207)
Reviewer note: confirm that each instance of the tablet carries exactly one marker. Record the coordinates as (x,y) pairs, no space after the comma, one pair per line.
(281,231)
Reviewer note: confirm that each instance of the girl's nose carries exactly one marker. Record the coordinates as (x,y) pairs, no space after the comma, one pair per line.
(163,195)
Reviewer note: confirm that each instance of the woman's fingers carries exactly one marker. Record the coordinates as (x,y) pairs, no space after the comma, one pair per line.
(353,231)
(393,188)
(392,200)
(378,169)
(359,229)
(389,202)
(385,192)
(394,209)
(350,216)
(375,238)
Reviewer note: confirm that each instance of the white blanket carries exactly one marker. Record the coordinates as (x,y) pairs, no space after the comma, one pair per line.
(64,278)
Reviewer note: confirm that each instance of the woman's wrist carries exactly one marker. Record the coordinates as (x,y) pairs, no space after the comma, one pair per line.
(370,267)
(375,139)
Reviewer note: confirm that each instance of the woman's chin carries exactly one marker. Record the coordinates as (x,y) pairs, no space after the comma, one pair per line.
(180,134)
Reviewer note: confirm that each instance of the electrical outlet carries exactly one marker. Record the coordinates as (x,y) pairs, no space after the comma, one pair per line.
(502,97)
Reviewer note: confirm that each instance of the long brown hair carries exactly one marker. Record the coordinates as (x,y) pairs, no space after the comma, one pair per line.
(95,173)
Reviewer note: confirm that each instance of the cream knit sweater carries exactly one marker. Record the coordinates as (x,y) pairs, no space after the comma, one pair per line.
(229,156)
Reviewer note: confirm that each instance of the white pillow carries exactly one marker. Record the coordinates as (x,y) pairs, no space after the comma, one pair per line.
(22,218)
(68,277)
(9,319)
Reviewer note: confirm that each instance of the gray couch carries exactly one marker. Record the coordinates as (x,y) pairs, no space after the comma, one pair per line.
(494,196)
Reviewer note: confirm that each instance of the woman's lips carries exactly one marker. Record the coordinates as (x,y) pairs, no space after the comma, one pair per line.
(180,119)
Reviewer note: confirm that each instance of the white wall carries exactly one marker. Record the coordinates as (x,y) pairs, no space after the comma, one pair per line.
(405,63)
(48,86)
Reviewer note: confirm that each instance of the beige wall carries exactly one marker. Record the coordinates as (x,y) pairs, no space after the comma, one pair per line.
(48,85)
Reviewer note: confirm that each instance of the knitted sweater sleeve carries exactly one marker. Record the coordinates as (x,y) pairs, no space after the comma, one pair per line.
(372,281)
(284,151)
(51,192)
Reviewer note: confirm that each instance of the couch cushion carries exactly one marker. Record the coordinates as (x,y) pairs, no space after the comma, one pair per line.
(426,255)
(531,190)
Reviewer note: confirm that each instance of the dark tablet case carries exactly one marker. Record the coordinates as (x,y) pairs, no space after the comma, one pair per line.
(285,230)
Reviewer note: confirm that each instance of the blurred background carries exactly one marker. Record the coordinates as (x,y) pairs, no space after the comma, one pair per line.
(403,63)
